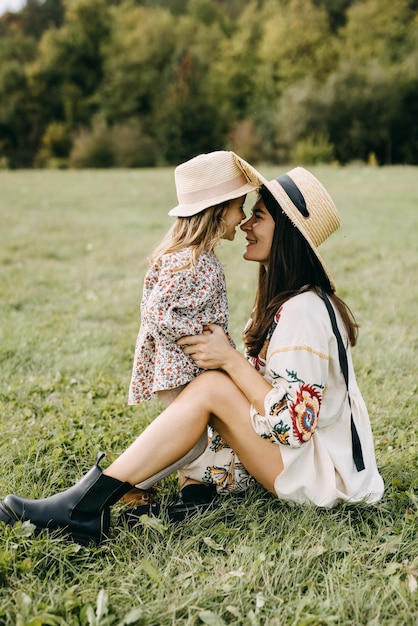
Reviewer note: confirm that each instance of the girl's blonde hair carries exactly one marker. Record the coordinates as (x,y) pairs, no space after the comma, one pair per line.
(200,232)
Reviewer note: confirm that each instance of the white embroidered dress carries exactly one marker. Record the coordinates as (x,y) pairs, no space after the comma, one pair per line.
(176,302)
(306,413)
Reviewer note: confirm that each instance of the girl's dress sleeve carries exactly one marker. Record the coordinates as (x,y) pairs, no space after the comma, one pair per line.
(184,300)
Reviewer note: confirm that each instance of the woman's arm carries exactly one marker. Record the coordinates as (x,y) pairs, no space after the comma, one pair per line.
(212,350)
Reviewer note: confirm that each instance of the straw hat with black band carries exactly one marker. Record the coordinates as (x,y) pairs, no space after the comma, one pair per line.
(306,203)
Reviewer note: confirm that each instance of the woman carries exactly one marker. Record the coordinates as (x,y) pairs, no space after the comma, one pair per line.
(286,414)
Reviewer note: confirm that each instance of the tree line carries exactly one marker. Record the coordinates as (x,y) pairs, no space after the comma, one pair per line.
(103,83)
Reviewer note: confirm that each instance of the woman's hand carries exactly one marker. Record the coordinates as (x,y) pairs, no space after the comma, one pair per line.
(211,350)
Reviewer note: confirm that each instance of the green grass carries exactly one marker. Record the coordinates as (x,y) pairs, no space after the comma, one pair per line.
(73,252)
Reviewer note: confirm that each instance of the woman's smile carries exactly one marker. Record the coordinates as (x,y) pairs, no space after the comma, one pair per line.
(259,230)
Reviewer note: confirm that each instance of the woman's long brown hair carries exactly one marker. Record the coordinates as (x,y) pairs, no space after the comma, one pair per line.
(293,268)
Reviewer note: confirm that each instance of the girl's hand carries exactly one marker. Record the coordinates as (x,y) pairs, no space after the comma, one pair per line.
(209,351)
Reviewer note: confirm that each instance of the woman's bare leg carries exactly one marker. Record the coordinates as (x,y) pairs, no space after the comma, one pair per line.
(168,438)
(260,457)
(175,431)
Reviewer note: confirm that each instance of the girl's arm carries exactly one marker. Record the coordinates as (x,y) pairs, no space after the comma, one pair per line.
(181,301)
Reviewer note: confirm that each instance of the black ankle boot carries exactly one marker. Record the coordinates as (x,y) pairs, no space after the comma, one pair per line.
(201,493)
(193,499)
(82,511)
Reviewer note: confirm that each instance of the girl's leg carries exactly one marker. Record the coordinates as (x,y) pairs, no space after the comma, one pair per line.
(175,431)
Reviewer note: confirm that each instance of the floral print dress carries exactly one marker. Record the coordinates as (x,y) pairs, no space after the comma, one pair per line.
(306,413)
(178,300)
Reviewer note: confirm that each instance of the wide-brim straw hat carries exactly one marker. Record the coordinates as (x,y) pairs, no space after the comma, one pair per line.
(306,203)
(210,179)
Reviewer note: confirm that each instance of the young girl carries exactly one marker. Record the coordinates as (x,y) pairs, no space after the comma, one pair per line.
(184,288)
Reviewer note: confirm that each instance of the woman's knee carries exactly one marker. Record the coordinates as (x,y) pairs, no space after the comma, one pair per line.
(214,389)
(211,381)
(225,389)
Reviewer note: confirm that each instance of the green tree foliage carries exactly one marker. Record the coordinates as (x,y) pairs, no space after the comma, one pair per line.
(353,109)
(137,83)
(336,11)
(292,48)
(365,103)
(137,60)
(18,125)
(37,16)
(156,66)
(376,30)
(234,69)
(70,59)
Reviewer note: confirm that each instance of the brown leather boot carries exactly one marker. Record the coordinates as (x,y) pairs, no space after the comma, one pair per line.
(139,497)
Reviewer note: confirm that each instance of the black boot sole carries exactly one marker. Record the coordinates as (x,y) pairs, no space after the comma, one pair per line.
(9,517)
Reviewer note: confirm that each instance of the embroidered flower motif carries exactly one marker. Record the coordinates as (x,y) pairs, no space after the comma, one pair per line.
(304,412)
(280,430)
(234,478)
(278,407)
(257,362)
(242,479)
(218,443)
(218,475)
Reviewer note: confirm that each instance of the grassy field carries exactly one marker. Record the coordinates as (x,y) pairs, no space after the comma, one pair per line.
(73,252)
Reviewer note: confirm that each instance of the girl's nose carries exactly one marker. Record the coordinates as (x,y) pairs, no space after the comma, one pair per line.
(246,225)
(243,217)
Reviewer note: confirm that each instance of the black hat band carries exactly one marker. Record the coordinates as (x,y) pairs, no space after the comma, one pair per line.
(294,193)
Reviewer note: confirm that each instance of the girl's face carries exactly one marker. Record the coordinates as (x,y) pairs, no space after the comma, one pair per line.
(233,216)
(259,231)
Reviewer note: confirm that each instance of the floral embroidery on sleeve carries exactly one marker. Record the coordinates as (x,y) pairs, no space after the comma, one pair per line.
(280,429)
(304,412)
(291,408)
(297,415)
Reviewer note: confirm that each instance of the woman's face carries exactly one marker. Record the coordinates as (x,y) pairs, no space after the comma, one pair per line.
(233,217)
(259,231)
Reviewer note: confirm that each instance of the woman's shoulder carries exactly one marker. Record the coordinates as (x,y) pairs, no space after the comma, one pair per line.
(307,300)
(306,311)
(302,320)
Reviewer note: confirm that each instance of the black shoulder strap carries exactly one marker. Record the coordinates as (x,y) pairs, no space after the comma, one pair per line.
(342,354)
